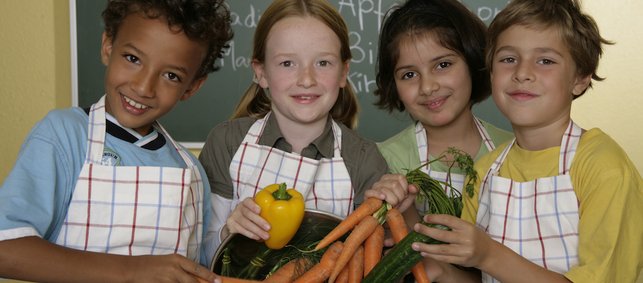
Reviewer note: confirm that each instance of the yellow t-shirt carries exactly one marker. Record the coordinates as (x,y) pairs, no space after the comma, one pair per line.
(609,189)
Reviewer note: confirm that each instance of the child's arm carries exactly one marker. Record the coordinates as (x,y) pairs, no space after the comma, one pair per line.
(34,259)
(609,189)
(468,246)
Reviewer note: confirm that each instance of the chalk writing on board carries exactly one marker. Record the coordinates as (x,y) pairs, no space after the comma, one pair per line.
(221,92)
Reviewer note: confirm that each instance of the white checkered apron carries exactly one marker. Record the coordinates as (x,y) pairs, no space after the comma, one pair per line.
(133,210)
(536,219)
(457,180)
(325,183)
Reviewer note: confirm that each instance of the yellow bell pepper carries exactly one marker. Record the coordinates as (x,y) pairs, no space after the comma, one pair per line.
(284,210)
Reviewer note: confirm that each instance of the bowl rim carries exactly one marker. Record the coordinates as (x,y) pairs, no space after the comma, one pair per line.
(228,238)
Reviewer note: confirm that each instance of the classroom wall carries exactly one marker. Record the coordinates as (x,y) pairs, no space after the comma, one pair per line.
(35,73)
(34,69)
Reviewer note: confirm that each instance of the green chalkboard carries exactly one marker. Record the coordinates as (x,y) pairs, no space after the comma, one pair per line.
(191,120)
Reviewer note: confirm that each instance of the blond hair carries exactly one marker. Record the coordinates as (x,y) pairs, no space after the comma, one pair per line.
(255,102)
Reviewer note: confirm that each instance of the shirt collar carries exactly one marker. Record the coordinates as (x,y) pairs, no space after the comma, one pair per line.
(151,141)
(321,147)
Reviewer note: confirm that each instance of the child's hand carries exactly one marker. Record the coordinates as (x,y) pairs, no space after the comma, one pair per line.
(395,190)
(466,245)
(245,220)
(167,268)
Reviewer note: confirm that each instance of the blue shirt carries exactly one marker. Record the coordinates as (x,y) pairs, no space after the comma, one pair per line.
(35,196)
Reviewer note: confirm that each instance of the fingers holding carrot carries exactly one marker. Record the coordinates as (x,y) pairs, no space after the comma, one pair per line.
(245,220)
(395,190)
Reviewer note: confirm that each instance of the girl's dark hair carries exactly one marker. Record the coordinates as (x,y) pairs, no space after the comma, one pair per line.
(207,21)
(456,28)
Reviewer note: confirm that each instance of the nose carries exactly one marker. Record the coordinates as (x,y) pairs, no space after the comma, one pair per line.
(523,72)
(142,83)
(306,77)
(428,85)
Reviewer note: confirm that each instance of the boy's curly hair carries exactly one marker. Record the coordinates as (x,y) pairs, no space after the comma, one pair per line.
(207,21)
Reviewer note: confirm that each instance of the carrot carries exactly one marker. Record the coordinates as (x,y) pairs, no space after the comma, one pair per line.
(396,224)
(399,230)
(373,247)
(368,207)
(289,271)
(356,266)
(226,279)
(355,239)
(320,271)
(343,275)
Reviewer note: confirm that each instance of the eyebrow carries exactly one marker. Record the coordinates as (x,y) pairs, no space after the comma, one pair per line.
(538,50)
(435,59)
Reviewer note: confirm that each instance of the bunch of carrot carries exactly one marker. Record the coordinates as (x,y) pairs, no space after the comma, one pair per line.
(347,261)
(361,251)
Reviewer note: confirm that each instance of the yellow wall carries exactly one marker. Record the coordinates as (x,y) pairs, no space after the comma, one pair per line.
(35,72)
(34,69)
(613,103)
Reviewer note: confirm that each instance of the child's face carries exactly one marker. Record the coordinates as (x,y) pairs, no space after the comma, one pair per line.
(149,69)
(534,77)
(433,82)
(303,69)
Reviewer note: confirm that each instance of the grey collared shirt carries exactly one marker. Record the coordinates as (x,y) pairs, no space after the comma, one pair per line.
(364,162)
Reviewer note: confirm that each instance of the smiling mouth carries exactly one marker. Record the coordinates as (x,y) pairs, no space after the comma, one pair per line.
(522,95)
(134,104)
(436,103)
(305,98)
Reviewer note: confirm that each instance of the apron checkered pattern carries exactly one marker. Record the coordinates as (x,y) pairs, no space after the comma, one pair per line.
(133,210)
(457,180)
(536,219)
(325,184)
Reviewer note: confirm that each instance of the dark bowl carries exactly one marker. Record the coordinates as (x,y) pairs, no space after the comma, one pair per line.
(241,249)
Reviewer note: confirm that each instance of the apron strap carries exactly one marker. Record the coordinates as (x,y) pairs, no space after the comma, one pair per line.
(96,129)
(568,147)
(486,138)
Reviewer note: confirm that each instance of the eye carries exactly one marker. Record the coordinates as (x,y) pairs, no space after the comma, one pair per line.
(287,63)
(131,58)
(444,65)
(408,75)
(546,61)
(508,60)
(173,77)
(324,63)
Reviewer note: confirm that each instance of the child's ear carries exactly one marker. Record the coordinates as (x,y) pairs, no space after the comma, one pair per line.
(193,88)
(581,84)
(105,49)
(259,77)
(344,79)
